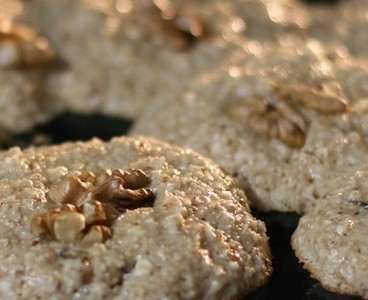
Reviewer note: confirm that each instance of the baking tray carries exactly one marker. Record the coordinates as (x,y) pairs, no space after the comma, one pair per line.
(289,280)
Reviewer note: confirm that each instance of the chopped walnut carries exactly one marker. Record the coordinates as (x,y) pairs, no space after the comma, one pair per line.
(88,177)
(63,225)
(317,100)
(23,47)
(125,190)
(277,116)
(70,190)
(133,178)
(273,118)
(87,205)
(182,28)
(67,225)
(94,212)
(96,234)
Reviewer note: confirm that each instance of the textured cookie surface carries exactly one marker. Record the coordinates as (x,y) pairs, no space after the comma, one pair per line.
(182,231)
(331,240)
(342,23)
(115,57)
(20,108)
(279,120)
(21,59)
(119,55)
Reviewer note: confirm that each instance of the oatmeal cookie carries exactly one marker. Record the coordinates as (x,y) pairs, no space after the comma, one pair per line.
(279,120)
(121,55)
(20,108)
(331,239)
(343,23)
(131,218)
(23,55)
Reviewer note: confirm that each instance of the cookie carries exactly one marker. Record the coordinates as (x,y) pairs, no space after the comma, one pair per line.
(23,55)
(121,55)
(342,23)
(280,120)
(132,218)
(331,239)
(20,107)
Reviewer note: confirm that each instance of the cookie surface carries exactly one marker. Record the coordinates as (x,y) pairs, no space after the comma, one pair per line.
(23,53)
(183,231)
(338,23)
(280,120)
(120,55)
(20,105)
(117,57)
(331,239)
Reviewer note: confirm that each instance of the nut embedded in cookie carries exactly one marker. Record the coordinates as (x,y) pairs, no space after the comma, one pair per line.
(199,229)
(271,117)
(317,100)
(89,208)
(182,29)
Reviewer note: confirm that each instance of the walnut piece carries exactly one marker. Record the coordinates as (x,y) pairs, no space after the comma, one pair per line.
(181,28)
(277,116)
(273,118)
(86,206)
(63,225)
(317,100)
(70,190)
(133,178)
(125,190)
(67,225)
(94,212)
(96,234)
(22,47)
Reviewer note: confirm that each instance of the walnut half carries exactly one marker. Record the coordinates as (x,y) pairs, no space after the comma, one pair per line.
(86,206)
(271,117)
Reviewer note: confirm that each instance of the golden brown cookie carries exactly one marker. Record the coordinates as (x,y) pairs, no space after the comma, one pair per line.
(131,218)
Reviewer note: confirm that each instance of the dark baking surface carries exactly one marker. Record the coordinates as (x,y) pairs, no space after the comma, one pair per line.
(289,280)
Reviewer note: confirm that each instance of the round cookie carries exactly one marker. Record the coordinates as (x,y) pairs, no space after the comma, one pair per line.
(132,218)
(279,119)
(120,55)
(331,239)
